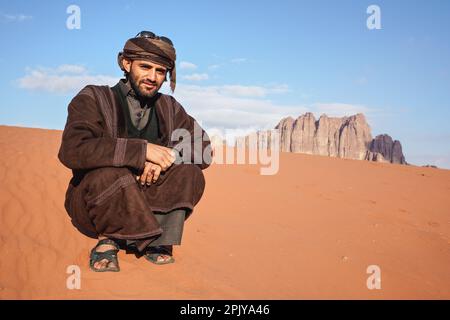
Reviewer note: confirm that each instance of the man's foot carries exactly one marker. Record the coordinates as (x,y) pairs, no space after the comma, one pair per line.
(159,255)
(104,256)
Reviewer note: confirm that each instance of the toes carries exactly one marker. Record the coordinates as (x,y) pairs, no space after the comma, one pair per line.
(99,265)
(163,258)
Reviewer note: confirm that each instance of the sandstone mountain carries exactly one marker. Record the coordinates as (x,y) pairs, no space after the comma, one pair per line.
(345,137)
(391,151)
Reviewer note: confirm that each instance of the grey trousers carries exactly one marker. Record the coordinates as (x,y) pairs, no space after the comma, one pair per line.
(172,224)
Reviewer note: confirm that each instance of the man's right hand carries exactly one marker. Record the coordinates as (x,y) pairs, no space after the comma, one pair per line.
(162,156)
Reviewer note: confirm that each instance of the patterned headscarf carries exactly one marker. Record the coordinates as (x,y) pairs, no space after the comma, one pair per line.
(154,50)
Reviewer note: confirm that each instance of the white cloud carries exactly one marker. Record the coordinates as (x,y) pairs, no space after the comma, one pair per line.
(187,65)
(238,60)
(214,66)
(229,135)
(62,79)
(339,109)
(250,91)
(70,68)
(216,107)
(279,88)
(196,77)
(220,108)
(14,17)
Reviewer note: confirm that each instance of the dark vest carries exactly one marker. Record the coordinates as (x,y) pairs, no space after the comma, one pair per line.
(151,130)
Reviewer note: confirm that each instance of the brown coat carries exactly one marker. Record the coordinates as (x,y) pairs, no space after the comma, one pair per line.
(103,196)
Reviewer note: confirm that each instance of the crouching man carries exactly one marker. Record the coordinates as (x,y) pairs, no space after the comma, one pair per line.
(133,185)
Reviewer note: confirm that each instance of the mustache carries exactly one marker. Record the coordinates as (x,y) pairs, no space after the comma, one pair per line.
(148,81)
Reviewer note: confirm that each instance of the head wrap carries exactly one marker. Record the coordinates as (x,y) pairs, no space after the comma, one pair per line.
(154,50)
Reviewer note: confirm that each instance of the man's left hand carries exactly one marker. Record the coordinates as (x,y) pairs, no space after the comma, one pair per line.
(150,174)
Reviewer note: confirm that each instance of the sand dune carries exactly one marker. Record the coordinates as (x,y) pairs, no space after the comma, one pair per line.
(310,231)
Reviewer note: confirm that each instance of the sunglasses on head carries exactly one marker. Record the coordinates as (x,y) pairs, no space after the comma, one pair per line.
(151,35)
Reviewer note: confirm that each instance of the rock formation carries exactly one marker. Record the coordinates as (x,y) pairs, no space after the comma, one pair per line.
(346,137)
(390,150)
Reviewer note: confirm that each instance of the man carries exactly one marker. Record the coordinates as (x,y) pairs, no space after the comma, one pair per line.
(132,185)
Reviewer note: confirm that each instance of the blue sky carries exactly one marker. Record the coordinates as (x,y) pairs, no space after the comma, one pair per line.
(243,65)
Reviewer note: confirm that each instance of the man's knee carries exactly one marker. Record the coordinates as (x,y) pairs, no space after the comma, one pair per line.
(101,178)
(196,177)
(191,170)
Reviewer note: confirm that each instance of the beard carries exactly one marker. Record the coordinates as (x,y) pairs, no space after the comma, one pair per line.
(139,88)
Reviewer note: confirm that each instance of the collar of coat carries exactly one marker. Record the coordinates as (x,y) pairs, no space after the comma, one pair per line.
(111,102)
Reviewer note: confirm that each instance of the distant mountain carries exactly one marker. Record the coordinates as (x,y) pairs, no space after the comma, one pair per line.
(345,137)
(391,151)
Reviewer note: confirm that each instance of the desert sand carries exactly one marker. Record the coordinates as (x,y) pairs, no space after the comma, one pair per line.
(308,232)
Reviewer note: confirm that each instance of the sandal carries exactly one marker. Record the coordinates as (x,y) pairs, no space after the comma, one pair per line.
(109,255)
(153,253)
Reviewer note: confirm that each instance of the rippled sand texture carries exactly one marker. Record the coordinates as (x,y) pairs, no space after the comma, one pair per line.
(310,231)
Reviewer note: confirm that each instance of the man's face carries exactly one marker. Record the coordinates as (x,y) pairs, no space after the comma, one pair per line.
(145,77)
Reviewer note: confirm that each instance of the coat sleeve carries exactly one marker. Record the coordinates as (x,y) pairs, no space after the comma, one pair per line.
(84,144)
(194,139)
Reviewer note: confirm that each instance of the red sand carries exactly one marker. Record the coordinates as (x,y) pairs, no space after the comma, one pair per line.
(308,232)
